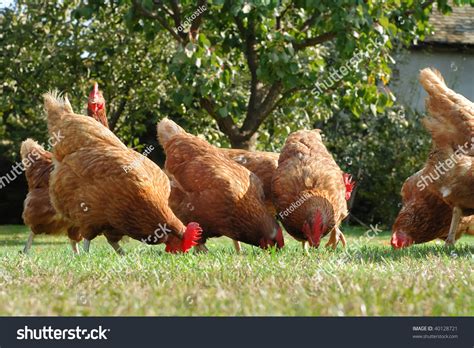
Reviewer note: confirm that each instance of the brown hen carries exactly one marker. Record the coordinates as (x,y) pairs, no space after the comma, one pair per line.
(424,216)
(223,196)
(310,190)
(262,164)
(449,170)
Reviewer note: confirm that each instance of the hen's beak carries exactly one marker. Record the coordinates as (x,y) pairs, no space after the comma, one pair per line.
(94,107)
(95,99)
(401,240)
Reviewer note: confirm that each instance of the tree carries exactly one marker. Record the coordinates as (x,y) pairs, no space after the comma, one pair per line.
(242,61)
(47,45)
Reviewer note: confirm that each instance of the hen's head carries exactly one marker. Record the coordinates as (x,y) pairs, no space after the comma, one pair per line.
(349,183)
(275,238)
(314,228)
(403,226)
(400,239)
(96,101)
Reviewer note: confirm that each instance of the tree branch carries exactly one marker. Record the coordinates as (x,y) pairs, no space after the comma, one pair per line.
(177,18)
(198,20)
(226,124)
(248,35)
(309,22)
(314,41)
(117,113)
(280,17)
(153,15)
(253,122)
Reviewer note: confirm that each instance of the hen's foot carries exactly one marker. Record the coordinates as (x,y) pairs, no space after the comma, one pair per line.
(305,245)
(335,237)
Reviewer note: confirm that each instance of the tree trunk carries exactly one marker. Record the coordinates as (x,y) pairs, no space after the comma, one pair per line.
(249,144)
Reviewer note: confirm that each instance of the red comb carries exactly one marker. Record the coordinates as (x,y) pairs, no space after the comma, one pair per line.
(400,240)
(279,238)
(190,237)
(314,237)
(349,185)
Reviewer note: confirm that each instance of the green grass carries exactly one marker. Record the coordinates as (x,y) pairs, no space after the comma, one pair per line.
(368,278)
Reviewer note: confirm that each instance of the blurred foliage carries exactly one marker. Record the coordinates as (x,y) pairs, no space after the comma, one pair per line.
(241,71)
(381,152)
(45,45)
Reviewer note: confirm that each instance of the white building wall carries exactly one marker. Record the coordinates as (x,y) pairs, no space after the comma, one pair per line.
(457,68)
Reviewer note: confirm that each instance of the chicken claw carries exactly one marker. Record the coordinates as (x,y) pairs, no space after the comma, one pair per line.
(334,238)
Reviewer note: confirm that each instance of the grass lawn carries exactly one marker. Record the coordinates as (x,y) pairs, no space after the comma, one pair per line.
(368,278)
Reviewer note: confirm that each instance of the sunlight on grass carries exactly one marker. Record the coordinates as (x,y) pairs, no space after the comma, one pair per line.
(368,278)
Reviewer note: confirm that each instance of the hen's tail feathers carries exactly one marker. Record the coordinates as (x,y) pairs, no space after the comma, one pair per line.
(56,104)
(451,120)
(28,146)
(167,129)
(37,162)
(191,236)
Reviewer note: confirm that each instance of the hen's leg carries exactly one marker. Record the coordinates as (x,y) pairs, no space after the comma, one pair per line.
(334,238)
(87,245)
(201,248)
(237,246)
(118,249)
(114,242)
(457,214)
(29,242)
(74,238)
(305,245)
(75,249)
